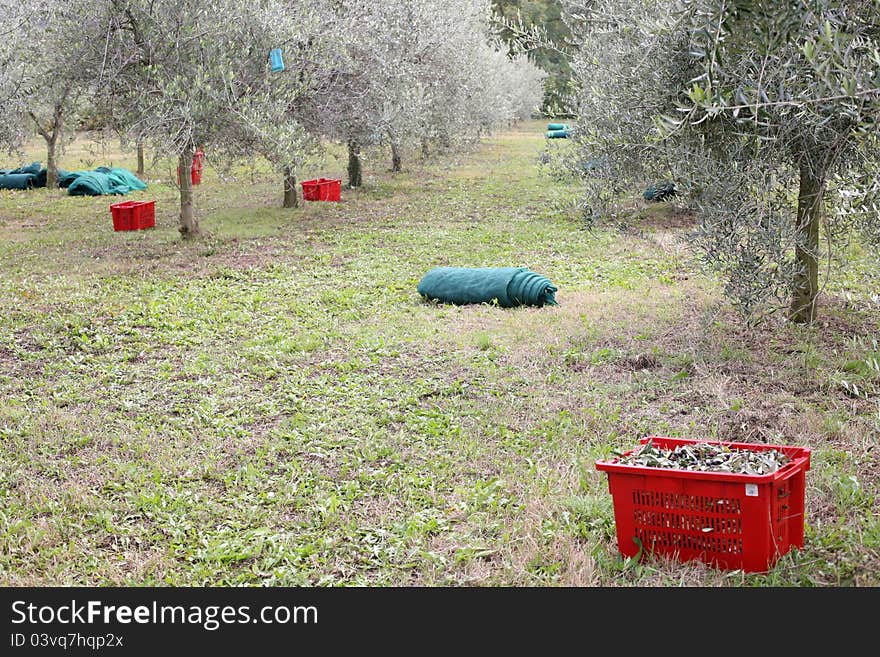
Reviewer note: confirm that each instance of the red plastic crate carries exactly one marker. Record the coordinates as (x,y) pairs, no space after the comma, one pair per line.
(321,189)
(731,521)
(133,215)
(195,169)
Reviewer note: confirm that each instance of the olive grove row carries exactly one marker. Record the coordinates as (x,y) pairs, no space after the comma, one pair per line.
(178,75)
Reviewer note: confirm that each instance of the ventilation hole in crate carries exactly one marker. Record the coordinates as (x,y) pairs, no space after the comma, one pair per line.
(671,541)
(698,503)
(687,522)
(668,522)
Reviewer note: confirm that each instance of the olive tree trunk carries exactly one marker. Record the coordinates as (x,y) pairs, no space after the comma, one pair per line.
(354,165)
(140,156)
(51,162)
(291,200)
(189,226)
(809,215)
(50,133)
(395,158)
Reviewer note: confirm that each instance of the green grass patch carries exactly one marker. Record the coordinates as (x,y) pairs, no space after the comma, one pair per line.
(273,404)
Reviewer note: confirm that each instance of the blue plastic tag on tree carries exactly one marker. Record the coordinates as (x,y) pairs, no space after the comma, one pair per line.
(277,61)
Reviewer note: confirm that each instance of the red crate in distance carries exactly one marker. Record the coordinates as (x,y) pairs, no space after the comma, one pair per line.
(197,165)
(728,520)
(195,169)
(321,189)
(133,215)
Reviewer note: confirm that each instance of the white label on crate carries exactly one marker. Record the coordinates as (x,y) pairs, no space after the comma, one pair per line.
(751,490)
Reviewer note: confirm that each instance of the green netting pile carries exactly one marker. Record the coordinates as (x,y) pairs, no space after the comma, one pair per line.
(104,181)
(508,286)
(98,182)
(16,180)
(24,177)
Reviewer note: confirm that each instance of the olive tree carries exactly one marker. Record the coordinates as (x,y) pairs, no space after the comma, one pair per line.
(629,67)
(793,86)
(381,74)
(54,53)
(286,114)
(191,74)
(764,112)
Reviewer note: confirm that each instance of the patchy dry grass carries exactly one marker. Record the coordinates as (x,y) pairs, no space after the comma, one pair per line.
(273,404)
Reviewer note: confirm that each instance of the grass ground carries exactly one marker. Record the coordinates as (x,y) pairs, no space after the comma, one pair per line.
(273,404)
